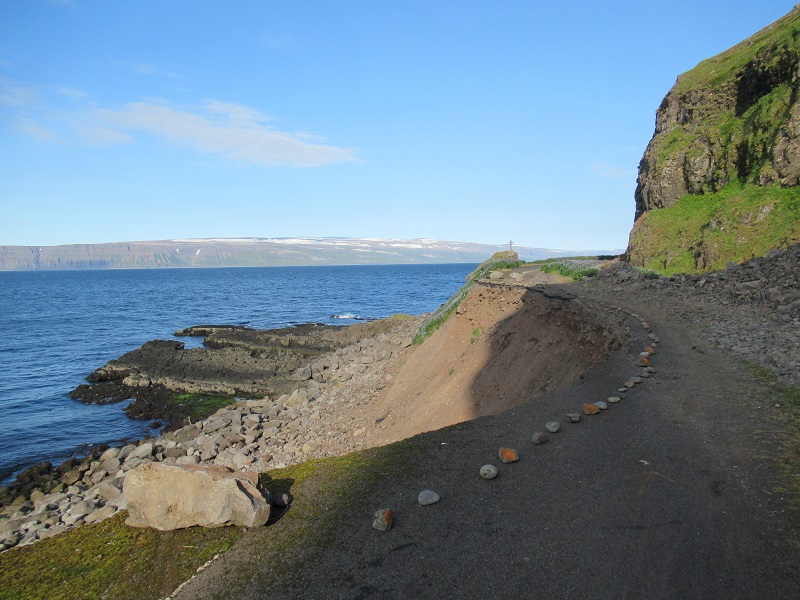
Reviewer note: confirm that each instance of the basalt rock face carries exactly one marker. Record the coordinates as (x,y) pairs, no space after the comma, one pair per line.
(744,127)
(732,121)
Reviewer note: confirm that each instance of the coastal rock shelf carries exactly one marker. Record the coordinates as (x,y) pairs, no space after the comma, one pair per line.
(239,361)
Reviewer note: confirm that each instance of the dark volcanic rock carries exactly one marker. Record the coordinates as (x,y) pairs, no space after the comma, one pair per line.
(236,361)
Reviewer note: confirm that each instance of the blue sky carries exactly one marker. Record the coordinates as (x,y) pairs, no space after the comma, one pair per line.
(468,121)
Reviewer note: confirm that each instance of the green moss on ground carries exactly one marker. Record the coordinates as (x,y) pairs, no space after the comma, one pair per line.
(198,406)
(704,232)
(112,561)
(789,416)
(109,560)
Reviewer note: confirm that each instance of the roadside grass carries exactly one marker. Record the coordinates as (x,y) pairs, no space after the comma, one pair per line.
(789,401)
(569,269)
(113,561)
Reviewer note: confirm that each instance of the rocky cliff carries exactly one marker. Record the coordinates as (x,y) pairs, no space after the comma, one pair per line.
(723,165)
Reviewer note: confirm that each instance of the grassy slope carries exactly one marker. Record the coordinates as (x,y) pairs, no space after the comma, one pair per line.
(704,232)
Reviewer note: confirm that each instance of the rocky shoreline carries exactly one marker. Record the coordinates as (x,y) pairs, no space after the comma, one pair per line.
(312,365)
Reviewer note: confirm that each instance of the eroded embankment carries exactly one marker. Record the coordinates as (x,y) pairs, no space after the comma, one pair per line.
(505,345)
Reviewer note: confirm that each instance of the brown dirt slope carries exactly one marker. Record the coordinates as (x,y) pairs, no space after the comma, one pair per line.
(505,345)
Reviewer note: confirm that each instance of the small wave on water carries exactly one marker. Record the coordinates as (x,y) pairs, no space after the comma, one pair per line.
(350,316)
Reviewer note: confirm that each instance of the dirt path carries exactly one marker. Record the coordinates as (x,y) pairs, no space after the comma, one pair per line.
(666,494)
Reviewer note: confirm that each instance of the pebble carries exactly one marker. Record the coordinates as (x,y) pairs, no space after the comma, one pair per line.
(591,409)
(539,437)
(508,455)
(488,471)
(553,426)
(427,497)
(601,405)
(384,519)
(614,399)
(636,379)
(572,417)
(630,383)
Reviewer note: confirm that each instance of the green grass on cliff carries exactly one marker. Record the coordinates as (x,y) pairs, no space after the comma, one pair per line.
(723,67)
(736,224)
(498,261)
(705,232)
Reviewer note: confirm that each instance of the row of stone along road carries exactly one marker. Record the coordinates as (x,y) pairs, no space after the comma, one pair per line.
(383,519)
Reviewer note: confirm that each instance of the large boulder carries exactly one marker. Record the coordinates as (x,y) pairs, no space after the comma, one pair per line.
(168,497)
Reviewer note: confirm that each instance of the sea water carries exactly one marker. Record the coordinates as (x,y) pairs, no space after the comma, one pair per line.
(56,327)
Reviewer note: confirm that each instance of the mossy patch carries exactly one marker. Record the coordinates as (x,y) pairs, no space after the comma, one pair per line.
(109,560)
(789,415)
(197,406)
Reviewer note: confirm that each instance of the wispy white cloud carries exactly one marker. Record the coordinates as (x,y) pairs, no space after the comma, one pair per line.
(72,93)
(232,131)
(227,130)
(145,69)
(103,136)
(16,95)
(610,171)
(32,128)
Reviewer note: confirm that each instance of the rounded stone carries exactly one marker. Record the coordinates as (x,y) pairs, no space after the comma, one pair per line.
(508,455)
(539,437)
(427,497)
(572,417)
(591,409)
(601,405)
(552,426)
(384,519)
(488,471)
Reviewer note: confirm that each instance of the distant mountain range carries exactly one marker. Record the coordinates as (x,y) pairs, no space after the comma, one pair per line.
(258,252)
